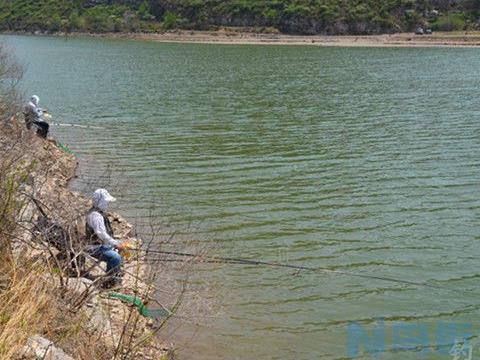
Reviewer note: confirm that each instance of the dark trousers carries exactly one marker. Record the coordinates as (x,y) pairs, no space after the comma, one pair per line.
(110,256)
(42,128)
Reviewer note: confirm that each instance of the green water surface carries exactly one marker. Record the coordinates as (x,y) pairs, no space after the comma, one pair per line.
(364,160)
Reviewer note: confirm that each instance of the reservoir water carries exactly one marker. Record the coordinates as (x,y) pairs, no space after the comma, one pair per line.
(360,160)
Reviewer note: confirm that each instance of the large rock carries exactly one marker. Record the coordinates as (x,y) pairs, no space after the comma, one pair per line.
(80,289)
(100,323)
(43,349)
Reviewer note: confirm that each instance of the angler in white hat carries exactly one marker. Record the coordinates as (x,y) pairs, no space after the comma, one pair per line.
(101,243)
(33,114)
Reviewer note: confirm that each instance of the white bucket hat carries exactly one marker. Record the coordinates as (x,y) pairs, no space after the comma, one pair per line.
(101,198)
(35,100)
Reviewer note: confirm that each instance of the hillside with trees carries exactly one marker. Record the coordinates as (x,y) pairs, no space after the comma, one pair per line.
(286,16)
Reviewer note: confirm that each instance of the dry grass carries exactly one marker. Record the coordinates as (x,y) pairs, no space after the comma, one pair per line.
(24,301)
(31,305)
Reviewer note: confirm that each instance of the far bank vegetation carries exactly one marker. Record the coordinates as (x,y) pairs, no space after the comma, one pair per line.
(285,16)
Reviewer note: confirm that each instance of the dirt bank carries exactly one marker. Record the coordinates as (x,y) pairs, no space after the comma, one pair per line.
(395,40)
(235,37)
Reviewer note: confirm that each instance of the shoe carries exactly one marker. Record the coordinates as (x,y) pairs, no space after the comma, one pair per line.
(88,276)
(113,282)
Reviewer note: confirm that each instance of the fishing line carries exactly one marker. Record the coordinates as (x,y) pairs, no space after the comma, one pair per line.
(241,261)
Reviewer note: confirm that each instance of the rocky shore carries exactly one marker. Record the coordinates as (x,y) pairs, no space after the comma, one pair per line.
(76,318)
(238,37)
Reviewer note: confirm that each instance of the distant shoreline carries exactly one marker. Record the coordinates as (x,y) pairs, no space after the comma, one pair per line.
(444,39)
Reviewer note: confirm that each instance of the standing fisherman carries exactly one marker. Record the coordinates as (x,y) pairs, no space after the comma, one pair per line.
(33,115)
(101,243)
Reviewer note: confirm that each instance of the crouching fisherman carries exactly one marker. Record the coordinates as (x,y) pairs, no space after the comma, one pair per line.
(33,116)
(101,243)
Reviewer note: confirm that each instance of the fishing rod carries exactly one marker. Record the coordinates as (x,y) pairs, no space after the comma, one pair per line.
(242,261)
(79,126)
(48,116)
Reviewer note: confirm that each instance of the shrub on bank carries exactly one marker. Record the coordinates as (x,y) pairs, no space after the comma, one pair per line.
(53,16)
(454,22)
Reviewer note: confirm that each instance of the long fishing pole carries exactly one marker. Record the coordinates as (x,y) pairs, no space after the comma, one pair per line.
(48,116)
(242,261)
(79,126)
